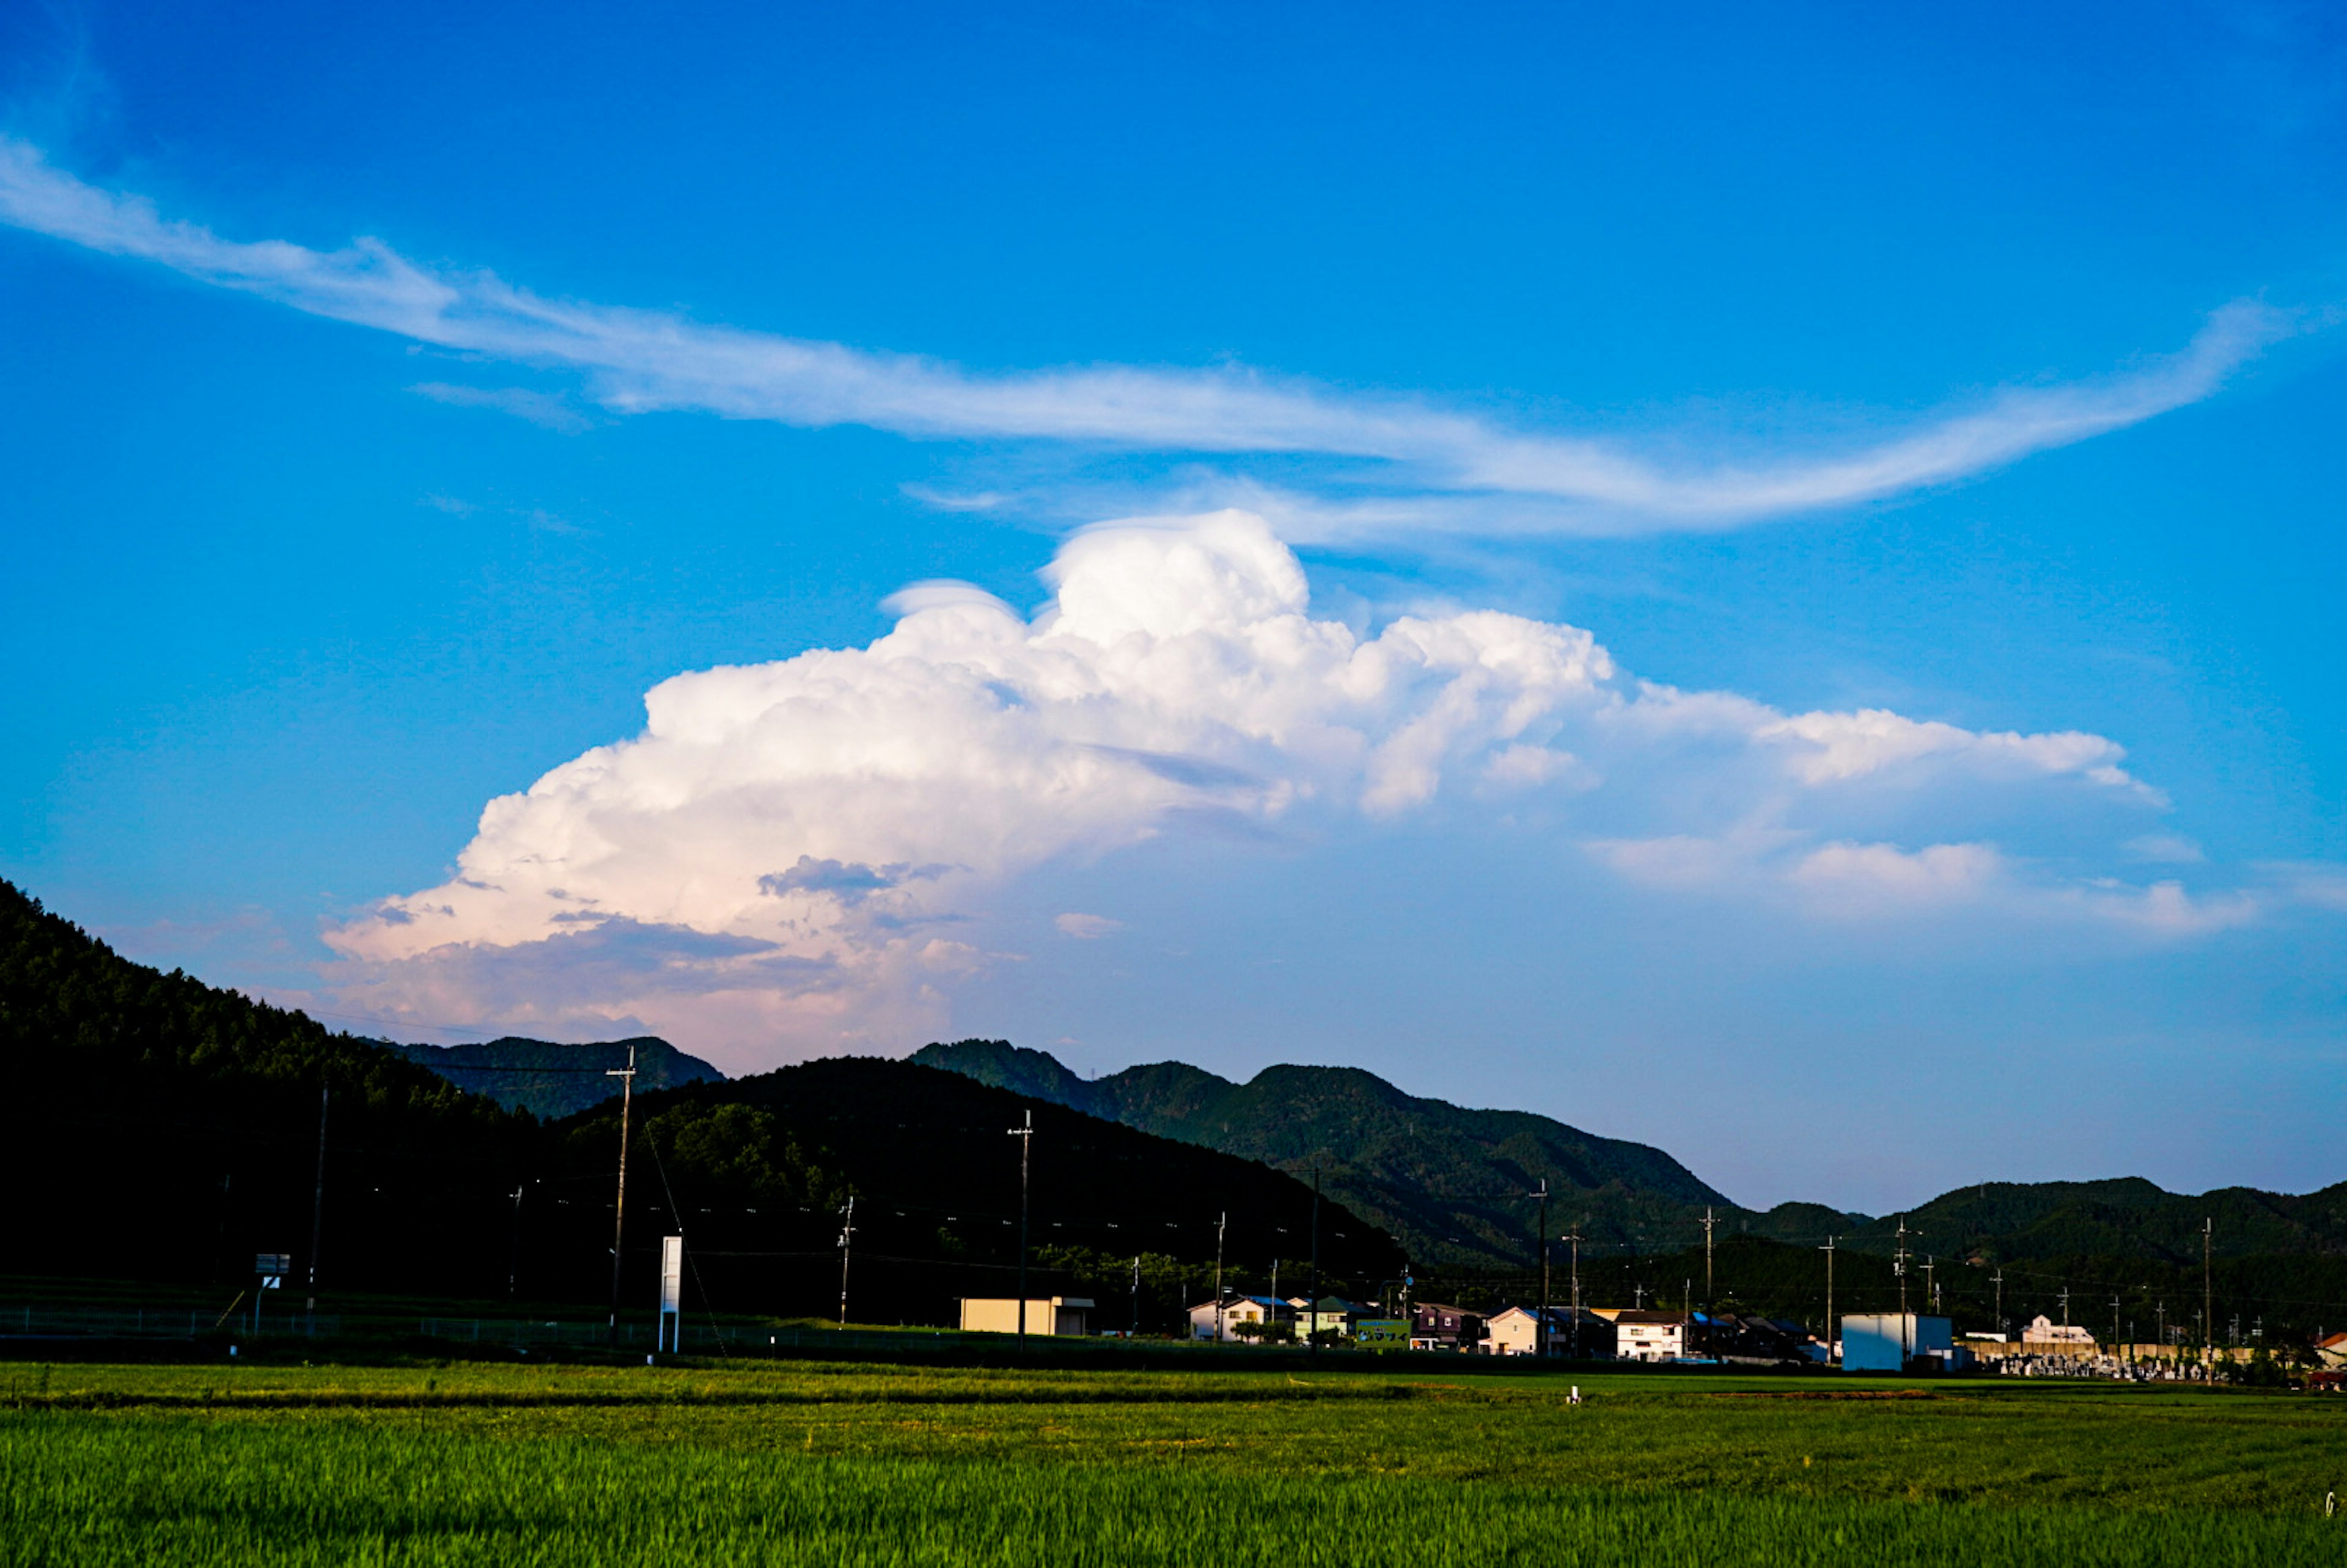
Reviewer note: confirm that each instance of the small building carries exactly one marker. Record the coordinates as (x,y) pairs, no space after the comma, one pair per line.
(1237,1310)
(2043,1336)
(2331,1350)
(1641,1336)
(1052,1315)
(1516,1332)
(1435,1326)
(1329,1315)
(1888,1342)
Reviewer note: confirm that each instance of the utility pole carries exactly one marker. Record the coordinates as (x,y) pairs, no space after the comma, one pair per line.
(1026,1136)
(1831,1335)
(2000,1301)
(1312,1333)
(2066,1306)
(2207,1291)
(1221,1221)
(627,1077)
(513,1256)
(1540,1328)
(1900,1269)
(1575,1239)
(1136,1295)
(1931,1282)
(317,1201)
(2114,1322)
(1709,1299)
(846,1246)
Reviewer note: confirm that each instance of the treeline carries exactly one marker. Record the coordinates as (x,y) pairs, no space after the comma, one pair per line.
(2269,1299)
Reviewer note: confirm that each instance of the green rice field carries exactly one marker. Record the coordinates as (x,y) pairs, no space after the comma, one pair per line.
(828,1463)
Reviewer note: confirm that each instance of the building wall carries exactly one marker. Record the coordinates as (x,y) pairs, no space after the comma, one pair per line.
(1046,1315)
(1878,1343)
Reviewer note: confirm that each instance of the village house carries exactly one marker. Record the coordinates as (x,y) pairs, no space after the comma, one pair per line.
(1649,1336)
(2045,1335)
(1433,1325)
(1237,1310)
(1516,1332)
(1330,1315)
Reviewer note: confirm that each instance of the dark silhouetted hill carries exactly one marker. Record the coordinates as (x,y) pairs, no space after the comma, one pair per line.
(515,1072)
(1453,1184)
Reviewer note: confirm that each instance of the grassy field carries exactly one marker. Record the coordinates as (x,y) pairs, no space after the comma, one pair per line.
(826,1463)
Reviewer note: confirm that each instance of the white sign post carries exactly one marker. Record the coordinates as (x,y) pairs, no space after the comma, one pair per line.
(670,1334)
(270,1268)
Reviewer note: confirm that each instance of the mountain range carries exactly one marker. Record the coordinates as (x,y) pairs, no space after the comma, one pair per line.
(1452,1183)
(177,1128)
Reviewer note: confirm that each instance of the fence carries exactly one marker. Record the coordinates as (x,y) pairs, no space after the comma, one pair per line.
(160,1323)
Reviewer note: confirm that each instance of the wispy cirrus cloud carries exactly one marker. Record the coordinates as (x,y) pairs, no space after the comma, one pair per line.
(538,407)
(1426,467)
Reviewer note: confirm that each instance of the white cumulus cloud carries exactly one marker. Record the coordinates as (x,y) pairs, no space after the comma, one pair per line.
(798,851)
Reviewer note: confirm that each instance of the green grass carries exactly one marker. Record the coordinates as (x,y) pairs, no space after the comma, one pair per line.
(822,1463)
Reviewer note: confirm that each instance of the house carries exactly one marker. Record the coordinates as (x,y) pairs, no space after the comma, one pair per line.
(2043,1336)
(1516,1332)
(1434,1326)
(1052,1315)
(1889,1342)
(1267,1310)
(2331,1350)
(1734,1336)
(1640,1336)
(1329,1315)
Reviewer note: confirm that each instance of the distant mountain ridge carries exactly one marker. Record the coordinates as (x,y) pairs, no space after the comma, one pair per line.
(511,1070)
(1413,1165)
(1453,1184)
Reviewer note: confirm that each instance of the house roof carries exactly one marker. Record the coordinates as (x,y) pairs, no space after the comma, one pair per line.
(1636,1317)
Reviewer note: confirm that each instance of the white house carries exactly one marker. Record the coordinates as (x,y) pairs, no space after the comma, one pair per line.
(1650,1336)
(2044,1334)
(1235,1311)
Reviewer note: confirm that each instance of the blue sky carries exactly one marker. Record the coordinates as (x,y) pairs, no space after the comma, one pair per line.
(1931,424)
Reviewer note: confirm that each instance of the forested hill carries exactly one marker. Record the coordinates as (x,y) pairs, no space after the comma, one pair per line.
(514,1071)
(1450,1182)
(166,1130)
(2003,1222)
(1406,1162)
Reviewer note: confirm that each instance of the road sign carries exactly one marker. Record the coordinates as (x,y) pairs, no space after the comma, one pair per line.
(269,1264)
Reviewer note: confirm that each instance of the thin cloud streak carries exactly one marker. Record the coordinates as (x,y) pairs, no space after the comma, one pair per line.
(1466,474)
